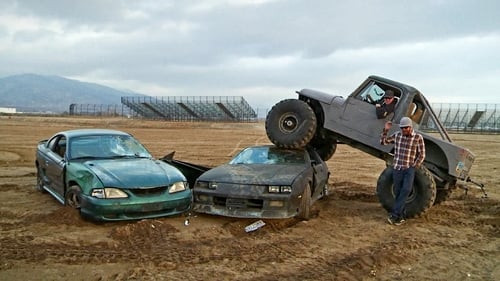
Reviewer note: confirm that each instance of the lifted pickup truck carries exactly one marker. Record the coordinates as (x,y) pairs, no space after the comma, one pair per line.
(322,120)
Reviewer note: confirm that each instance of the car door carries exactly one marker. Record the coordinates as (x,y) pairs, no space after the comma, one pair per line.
(55,163)
(320,173)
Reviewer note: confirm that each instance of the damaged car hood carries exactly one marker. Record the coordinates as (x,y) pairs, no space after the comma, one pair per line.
(134,173)
(253,173)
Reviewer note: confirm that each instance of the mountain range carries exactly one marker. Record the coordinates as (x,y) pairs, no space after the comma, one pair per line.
(41,93)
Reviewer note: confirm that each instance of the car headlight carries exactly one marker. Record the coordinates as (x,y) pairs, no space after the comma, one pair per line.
(176,187)
(280,189)
(107,193)
(201,184)
(274,189)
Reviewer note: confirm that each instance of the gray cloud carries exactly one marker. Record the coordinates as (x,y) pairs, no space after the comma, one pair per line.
(261,49)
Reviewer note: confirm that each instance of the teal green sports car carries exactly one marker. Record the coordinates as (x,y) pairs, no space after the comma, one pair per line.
(108,175)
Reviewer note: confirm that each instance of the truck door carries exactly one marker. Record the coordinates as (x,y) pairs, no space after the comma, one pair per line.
(359,113)
(320,175)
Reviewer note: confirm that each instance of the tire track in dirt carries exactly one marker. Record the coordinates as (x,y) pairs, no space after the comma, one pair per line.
(348,241)
(8,156)
(147,241)
(354,192)
(140,241)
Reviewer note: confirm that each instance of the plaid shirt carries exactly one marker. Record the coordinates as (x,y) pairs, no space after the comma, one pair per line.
(408,151)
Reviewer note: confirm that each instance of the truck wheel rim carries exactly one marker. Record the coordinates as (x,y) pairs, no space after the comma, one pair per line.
(288,123)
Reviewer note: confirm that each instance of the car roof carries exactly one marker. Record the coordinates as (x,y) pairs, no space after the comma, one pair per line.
(90,132)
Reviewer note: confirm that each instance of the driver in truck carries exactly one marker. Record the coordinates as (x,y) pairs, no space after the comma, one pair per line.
(386,106)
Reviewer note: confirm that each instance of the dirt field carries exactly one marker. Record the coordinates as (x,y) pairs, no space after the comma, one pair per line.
(348,238)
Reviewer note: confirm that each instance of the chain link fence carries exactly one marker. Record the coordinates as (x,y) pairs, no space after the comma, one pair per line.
(456,117)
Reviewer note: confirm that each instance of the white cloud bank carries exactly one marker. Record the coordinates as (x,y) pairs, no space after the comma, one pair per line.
(263,50)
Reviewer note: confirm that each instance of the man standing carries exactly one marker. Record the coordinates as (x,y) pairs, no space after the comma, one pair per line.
(386,107)
(409,154)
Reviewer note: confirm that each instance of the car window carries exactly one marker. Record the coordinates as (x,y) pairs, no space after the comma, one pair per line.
(124,146)
(269,155)
(52,143)
(60,147)
(57,144)
(107,146)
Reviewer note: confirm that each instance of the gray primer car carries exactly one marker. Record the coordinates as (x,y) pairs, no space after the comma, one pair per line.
(322,120)
(259,182)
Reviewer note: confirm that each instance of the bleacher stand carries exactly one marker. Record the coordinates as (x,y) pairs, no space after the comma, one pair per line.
(191,108)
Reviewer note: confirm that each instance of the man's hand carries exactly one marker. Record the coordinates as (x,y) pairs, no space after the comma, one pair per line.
(388,125)
(377,105)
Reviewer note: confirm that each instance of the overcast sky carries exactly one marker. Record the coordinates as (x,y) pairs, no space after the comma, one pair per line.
(263,50)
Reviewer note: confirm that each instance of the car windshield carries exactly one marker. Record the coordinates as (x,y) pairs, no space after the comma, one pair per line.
(269,155)
(106,146)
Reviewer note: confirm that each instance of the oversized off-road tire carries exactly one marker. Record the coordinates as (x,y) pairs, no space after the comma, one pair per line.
(324,144)
(72,197)
(421,197)
(305,204)
(327,150)
(291,123)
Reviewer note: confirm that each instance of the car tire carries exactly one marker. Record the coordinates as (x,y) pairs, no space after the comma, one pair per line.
(421,197)
(39,180)
(291,123)
(305,204)
(72,197)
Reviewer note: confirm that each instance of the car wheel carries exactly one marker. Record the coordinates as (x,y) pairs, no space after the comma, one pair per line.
(421,197)
(72,198)
(305,204)
(291,123)
(39,180)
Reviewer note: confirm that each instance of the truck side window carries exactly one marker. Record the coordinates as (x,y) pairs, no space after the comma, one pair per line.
(415,111)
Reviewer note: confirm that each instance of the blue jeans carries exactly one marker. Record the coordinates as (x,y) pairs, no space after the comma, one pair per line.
(403,183)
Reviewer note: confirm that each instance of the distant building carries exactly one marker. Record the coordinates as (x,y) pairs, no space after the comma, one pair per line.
(7,110)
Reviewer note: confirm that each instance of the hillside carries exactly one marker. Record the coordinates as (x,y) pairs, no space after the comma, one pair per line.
(33,93)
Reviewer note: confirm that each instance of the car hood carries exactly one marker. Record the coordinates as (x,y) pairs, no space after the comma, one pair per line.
(134,173)
(254,174)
